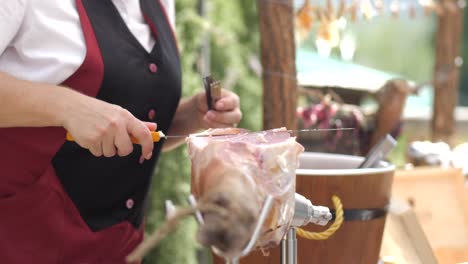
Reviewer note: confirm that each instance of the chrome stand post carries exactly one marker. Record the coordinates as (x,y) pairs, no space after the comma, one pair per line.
(289,248)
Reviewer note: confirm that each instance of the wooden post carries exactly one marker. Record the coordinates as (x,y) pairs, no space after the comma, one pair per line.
(446,73)
(278,63)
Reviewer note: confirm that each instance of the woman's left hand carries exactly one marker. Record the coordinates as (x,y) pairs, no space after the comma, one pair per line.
(226,112)
(193,115)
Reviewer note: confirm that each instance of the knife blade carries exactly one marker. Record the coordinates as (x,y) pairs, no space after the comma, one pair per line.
(233,134)
(158,135)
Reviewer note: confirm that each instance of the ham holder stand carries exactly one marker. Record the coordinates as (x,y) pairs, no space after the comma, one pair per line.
(304,214)
(304,211)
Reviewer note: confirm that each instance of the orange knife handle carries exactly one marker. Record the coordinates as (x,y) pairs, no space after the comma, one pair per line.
(156,135)
(69,137)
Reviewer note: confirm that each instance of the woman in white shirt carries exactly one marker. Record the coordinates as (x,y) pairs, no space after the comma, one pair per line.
(104,71)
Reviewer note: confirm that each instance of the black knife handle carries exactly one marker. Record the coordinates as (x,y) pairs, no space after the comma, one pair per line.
(207,81)
(212,90)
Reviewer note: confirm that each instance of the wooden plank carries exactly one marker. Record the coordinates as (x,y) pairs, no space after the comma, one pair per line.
(451,255)
(278,63)
(404,240)
(439,200)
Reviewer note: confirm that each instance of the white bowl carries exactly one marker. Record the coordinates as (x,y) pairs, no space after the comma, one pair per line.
(325,164)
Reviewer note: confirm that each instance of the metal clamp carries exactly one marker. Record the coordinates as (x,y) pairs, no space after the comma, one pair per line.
(305,213)
(267,205)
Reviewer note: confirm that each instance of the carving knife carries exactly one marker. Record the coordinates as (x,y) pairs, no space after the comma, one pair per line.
(158,135)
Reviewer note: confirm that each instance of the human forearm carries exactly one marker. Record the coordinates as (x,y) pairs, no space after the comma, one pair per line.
(30,104)
(103,128)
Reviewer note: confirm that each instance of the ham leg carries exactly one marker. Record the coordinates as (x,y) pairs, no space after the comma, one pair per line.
(236,169)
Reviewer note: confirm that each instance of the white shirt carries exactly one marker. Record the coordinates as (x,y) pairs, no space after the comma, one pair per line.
(42,40)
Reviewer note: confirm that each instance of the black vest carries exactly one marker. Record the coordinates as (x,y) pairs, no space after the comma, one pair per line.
(107,191)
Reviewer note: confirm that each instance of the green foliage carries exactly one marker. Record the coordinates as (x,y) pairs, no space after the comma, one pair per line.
(235,40)
(398,154)
(402,46)
(232,27)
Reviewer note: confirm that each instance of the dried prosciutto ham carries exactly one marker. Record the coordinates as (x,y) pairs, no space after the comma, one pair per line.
(237,169)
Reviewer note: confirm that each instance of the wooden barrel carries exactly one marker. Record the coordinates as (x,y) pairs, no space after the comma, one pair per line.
(365,194)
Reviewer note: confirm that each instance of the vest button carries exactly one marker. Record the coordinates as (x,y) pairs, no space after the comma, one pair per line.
(130,203)
(153,68)
(151,114)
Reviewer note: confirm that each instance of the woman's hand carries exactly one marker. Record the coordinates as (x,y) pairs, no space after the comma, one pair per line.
(103,128)
(193,115)
(226,112)
(106,129)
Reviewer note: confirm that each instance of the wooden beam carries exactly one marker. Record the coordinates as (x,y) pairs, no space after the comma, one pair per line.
(278,62)
(404,240)
(446,72)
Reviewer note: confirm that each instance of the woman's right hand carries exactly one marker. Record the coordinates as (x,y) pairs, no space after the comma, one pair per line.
(103,128)
(106,129)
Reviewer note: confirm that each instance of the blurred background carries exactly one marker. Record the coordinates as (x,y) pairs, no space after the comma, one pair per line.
(360,54)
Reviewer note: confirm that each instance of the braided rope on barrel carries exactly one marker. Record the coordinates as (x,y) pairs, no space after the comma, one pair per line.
(331,230)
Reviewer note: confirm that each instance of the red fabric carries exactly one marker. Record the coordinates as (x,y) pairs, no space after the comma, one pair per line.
(38,222)
(88,77)
(41,225)
(151,25)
